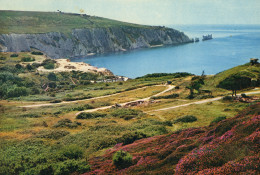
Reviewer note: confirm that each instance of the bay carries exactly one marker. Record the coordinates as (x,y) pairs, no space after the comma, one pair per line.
(231,45)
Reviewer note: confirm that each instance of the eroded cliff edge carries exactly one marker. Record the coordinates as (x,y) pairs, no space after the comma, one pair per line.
(81,42)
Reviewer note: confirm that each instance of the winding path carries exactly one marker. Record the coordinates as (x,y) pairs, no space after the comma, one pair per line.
(199,102)
(94,98)
(170,87)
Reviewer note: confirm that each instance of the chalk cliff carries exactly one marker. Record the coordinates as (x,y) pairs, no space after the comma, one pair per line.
(81,42)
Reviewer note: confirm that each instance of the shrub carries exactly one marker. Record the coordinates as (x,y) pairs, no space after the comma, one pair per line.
(49,134)
(81,108)
(126,114)
(129,138)
(14,55)
(31,115)
(52,77)
(66,123)
(55,101)
(36,53)
(244,96)
(27,59)
(29,67)
(186,119)
(122,159)
(17,92)
(88,115)
(70,166)
(49,66)
(72,152)
(18,66)
(166,96)
(227,98)
(218,119)
(2,58)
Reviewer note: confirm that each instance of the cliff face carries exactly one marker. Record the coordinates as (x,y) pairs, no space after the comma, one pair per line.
(95,40)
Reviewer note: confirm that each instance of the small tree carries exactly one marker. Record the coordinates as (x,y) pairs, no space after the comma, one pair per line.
(122,159)
(234,83)
(52,76)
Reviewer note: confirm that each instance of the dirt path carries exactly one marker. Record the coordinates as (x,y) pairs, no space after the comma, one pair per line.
(199,102)
(170,87)
(94,98)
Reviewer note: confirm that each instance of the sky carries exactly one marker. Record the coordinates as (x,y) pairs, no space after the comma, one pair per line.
(151,12)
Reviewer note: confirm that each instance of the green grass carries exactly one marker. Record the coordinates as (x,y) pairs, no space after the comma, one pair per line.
(42,22)
(245,69)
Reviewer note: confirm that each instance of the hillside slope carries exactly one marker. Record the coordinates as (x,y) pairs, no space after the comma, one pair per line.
(71,35)
(230,146)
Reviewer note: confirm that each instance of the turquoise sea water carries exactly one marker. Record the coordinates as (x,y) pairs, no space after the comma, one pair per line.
(232,45)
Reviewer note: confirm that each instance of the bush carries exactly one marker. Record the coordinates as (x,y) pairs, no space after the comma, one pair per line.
(70,166)
(186,119)
(227,98)
(2,58)
(49,134)
(66,123)
(244,96)
(72,152)
(166,96)
(88,115)
(81,108)
(29,67)
(49,66)
(218,119)
(55,101)
(174,75)
(122,159)
(36,53)
(27,59)
(129,138)
(52,77)
(31,115)
(126,114)
(17,92)
(14,55)
(18,66)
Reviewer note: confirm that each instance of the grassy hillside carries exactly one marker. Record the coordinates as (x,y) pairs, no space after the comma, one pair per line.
(42,22)
(246,70)
(52,138)
(228,146)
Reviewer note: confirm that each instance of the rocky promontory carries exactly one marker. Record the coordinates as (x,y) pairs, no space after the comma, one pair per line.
(82,42)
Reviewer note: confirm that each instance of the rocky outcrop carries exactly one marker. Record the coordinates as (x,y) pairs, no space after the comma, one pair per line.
(82,42)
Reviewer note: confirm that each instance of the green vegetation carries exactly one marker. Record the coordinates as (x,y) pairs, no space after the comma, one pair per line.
(53,139)
(122,159)
(14,55)
(42,22)
(218,119)
(36,53)
(90,115)
(166,96)
(186,119)
(173,75)
(126,113)
(27,59)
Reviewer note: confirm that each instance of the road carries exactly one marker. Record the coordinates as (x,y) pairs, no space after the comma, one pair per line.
(199,102)
(170,87)
(94,98)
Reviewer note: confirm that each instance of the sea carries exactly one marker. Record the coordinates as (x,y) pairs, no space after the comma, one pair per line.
(232,45)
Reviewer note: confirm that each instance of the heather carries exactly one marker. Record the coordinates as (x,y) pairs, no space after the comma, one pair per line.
(230,146)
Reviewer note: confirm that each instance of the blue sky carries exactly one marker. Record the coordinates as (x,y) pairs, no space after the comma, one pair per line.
(152,12)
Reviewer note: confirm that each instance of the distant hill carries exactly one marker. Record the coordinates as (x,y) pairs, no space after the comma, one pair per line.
(61,34)
(28,22)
